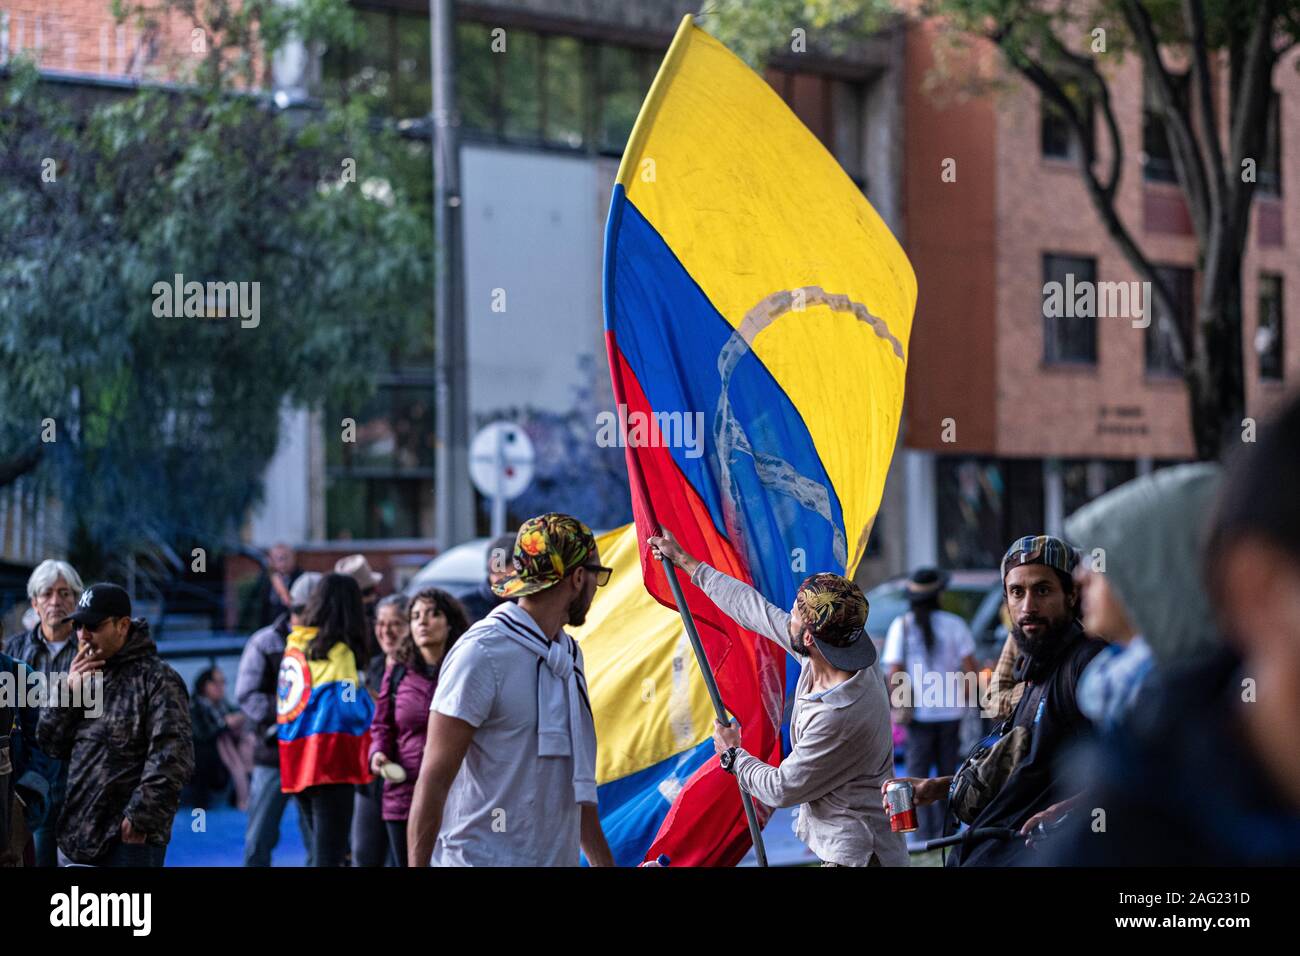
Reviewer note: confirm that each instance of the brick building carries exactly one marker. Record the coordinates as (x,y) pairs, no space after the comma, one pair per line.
(1013,418)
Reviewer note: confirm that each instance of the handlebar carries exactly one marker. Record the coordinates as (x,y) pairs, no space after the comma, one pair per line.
(982,833)
(1040,832)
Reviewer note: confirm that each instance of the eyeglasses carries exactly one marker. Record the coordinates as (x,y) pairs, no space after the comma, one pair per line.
(601,572)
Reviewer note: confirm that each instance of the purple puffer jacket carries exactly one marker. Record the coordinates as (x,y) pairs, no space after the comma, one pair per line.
(398,731)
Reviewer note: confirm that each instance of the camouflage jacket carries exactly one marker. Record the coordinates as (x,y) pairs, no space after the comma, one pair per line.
(130,761)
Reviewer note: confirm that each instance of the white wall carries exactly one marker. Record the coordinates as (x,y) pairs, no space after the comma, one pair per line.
(534,227)
(285,512)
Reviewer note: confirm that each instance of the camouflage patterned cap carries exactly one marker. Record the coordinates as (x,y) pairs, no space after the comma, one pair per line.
(546,549)
(835,610)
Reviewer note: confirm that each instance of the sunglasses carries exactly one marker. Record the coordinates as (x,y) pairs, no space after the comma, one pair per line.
(601,572)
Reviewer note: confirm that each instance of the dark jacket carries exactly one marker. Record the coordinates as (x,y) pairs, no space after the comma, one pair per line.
(30,648)
(255,688)
(130,759)
(398,731)
(25,770)
(1180,786)
(1049,708)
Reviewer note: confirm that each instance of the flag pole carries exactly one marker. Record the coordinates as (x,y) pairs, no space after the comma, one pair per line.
(755,831)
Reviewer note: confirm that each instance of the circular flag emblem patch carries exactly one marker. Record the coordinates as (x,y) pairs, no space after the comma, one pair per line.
(293,689)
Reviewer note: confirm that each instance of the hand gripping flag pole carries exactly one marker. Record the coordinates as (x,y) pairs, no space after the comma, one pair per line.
(755,831)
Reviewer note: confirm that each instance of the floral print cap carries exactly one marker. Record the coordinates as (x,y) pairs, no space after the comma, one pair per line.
(546,549)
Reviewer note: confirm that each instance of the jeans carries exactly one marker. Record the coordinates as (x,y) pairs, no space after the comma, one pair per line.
(369,837)
(46,839)
(121,854)
(328,812)
(266,803)
(397,841)
(932,746)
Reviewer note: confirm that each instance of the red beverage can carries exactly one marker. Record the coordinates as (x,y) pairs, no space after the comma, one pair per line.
(902,806)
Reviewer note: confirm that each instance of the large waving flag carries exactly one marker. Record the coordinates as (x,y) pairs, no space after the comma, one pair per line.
(654,723)
(750,289)
(324,716)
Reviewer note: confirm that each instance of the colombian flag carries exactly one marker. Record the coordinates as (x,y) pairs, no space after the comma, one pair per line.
(324,716)
(750,289)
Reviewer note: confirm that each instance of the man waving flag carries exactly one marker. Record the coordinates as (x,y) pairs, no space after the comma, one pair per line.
(749,288)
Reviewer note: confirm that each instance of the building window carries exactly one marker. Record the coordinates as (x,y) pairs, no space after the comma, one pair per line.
(1268,337)
(550,89)
(1085,480)
(624,77)
(1159,335)
(1068,337)
(390,62)
(1056,135)
(1270,164)
(984,504)
(381,484)
(1157,154)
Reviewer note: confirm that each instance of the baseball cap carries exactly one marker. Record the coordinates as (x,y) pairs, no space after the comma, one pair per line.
(835,611)
(1040,549)
(546,549)
(98,603)
(303,587)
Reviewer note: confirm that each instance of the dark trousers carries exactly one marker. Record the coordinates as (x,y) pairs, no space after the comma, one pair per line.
(327,810)
(266,803)
(369,837)
(932,752)
(397,841)
(121,854)
(46,838)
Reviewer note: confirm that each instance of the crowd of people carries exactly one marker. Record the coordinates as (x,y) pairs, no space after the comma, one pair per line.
(1144,705)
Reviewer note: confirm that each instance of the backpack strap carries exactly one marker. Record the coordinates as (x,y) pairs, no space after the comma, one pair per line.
(395,678)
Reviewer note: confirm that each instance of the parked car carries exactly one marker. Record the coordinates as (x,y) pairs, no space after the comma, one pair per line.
(458,570)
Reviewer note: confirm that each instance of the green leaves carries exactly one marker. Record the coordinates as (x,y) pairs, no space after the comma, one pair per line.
(167,422)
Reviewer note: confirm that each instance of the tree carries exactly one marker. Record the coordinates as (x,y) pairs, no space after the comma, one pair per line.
(1053,46)
(163,420)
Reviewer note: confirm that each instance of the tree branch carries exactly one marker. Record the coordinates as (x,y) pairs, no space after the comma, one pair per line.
(1194,10)
(1252,84)
(1188,161)
(13,468)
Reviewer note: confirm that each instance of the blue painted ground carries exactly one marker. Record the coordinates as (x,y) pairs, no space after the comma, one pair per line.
(221,842)
(217,838)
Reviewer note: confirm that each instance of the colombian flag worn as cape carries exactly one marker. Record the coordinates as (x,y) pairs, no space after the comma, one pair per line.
(324,715)
(756,303)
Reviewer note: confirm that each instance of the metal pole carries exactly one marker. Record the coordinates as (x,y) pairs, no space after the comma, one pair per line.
(755,831)
(453,503)
(499,495)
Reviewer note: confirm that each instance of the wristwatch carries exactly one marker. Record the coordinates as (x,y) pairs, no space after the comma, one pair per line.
(728,759)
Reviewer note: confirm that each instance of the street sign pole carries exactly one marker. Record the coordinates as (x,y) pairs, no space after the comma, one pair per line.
(501,459)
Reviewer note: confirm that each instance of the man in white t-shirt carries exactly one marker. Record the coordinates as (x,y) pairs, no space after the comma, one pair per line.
(508,776)
(936,653)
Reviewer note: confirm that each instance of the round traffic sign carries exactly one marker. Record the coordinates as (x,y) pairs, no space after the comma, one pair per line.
(501,460)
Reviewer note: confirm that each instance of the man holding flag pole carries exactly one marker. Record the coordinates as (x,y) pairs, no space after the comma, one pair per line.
(841,743)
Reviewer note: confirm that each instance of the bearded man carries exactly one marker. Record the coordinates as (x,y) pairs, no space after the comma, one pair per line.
(1043,604)
(508,776)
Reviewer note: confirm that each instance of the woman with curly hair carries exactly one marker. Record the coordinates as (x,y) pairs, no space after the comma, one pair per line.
(402,710)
